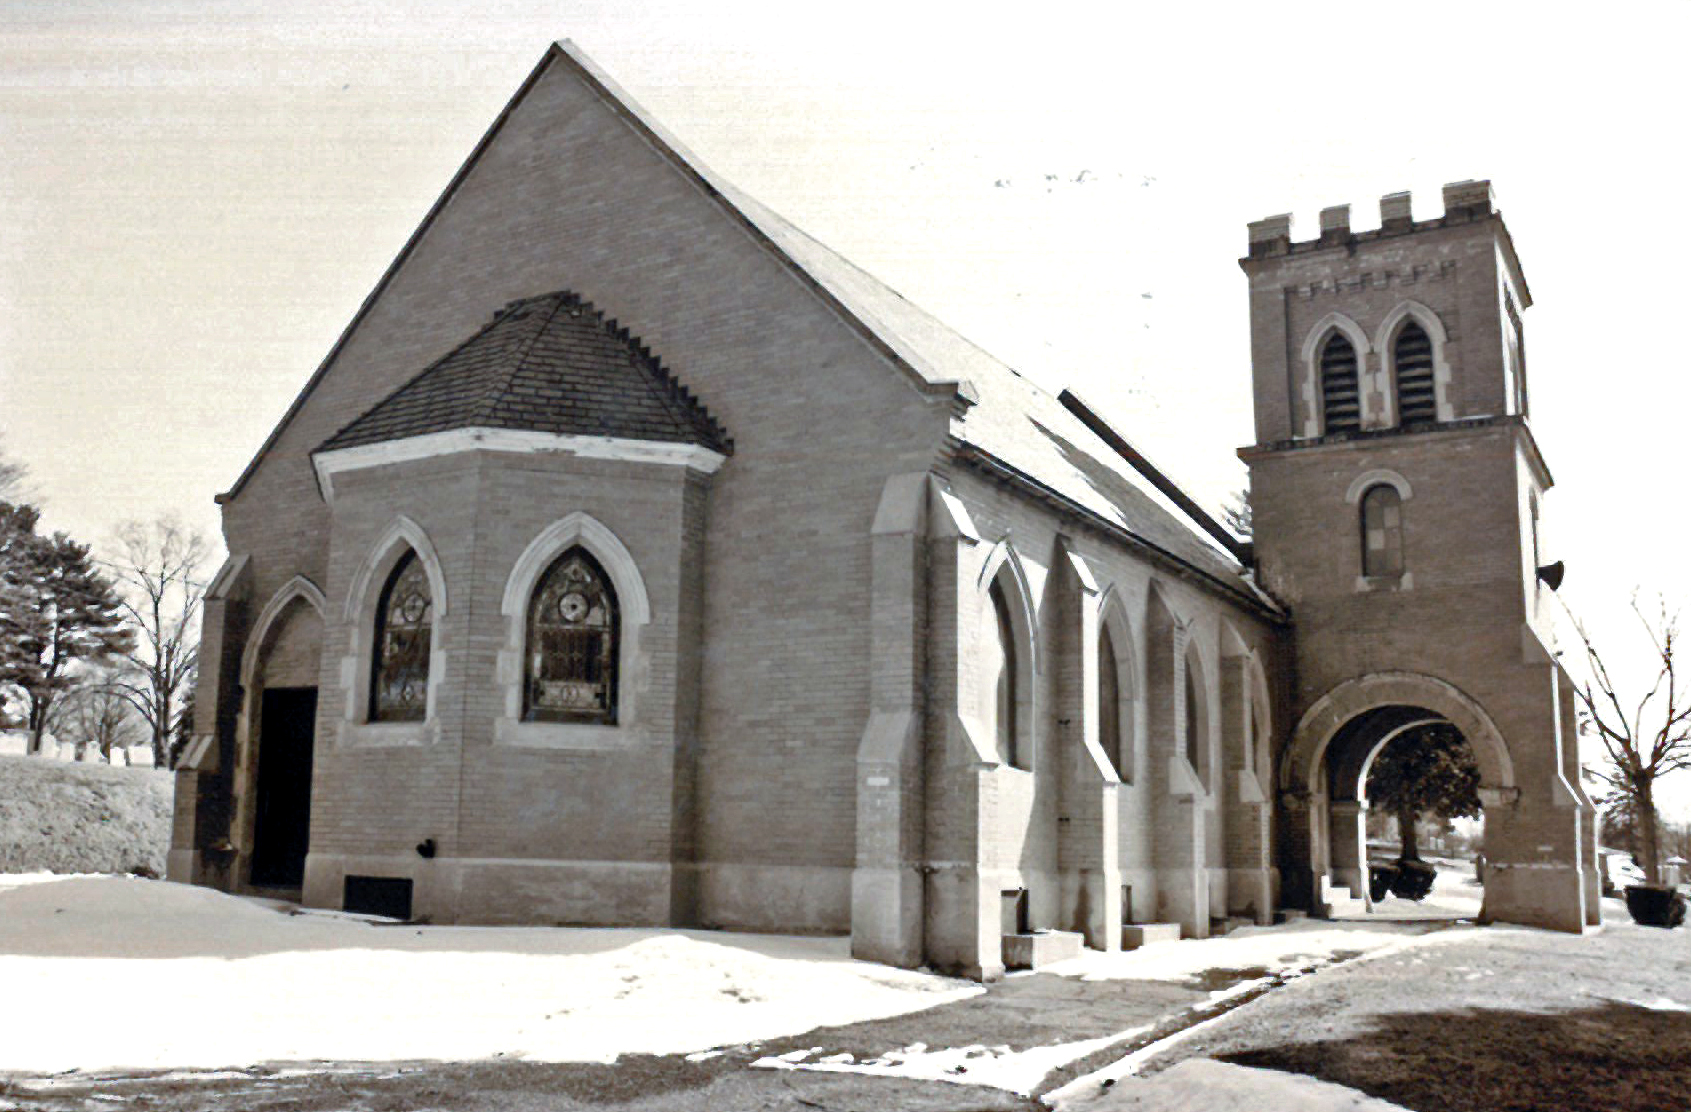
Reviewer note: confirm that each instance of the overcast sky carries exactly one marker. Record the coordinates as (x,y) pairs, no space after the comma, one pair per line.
(198,196)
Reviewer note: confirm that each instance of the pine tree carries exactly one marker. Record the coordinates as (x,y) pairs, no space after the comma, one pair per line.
(55,611)
(1427,770)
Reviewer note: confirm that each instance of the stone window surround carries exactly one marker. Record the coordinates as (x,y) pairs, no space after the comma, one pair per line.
(1112,615)
(1386,344)
(1004,566)
(575,528)
(1359,486)
(1194,679)
(1375,376)
(355,730)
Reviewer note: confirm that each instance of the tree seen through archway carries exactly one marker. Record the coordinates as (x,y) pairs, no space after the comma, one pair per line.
(1428,770)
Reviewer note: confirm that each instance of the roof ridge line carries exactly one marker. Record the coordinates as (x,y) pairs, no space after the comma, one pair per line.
(559,300)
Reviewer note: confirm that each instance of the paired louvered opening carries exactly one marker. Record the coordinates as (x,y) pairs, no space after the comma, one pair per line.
(1341,400)
(1412,364)
(1412,355)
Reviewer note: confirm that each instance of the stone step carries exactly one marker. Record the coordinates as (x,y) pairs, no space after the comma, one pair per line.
(1135,935)
(1290,915)
(1040,948)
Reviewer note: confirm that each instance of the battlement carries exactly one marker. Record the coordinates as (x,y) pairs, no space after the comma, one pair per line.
(1465,202)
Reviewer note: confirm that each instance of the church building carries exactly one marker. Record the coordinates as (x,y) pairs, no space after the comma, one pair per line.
(634,559)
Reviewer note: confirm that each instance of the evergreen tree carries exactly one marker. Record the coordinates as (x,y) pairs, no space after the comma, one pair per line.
(55,611)
(1427,770)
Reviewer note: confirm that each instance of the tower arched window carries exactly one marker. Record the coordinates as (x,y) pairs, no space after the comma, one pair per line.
(1341,399)
(1382,531)
(1006,694)
(399,671)
(570,658)
(1412,359)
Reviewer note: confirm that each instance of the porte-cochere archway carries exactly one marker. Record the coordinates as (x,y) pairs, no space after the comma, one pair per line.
(1322,770)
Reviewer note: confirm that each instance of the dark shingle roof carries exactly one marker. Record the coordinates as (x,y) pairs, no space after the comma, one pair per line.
(545,364)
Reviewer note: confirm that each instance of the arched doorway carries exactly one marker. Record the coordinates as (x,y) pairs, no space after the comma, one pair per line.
(275,738)
(1422,753)
(1322,775)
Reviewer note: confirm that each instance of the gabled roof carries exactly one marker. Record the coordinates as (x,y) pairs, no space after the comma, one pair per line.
(1005,419)
(548,364)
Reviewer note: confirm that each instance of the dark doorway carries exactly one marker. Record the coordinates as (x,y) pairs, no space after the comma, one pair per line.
(282,802)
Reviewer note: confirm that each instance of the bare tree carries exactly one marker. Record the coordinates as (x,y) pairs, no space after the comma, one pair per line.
(1642,741)
(96,714)
(1237,513)
(158,572)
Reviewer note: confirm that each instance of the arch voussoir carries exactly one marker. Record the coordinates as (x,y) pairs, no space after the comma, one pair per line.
(1300,771)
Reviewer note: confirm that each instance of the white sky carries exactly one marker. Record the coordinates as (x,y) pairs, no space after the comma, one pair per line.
(198,196)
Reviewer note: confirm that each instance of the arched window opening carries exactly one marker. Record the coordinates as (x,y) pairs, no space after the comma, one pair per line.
(1341,400)
(1382,531)
(399,673)
(1412,356)
(1194,742)
(1110,732)
(1008,749)
(570,672)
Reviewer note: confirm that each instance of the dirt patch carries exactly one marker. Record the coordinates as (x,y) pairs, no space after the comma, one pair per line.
(1611,1058)
(639,1083)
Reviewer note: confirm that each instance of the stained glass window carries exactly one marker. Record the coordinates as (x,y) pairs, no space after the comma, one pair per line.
(399,676)
(1382,531)
(571,671)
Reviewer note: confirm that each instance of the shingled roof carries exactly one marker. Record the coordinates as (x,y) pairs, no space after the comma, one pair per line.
(550,364)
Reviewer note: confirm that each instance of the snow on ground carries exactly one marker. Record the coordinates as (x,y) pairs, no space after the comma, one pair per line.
(1262,951)
(996,1067)
(1202,1085)
(1254,954)
(196,978)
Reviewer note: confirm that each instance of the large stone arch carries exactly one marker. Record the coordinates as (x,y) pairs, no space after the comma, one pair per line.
(1322,774)
(1301,769)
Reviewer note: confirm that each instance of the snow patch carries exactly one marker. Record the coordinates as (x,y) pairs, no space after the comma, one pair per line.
(998,1067)
(1204,1085)
(200,979)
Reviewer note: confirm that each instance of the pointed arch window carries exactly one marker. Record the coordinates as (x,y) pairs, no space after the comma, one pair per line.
(1412,358)
(570,666)
(1341,400)
(1113,737)
(1007,733)
(1194,747)
(1382,531)
(399,672)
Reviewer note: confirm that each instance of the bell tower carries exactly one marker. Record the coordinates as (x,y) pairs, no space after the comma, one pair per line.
(1395,493)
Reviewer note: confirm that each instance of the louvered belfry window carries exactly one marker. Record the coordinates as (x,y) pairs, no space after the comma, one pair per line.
(1341,402)
(399,674)
(573,625)
(1382,531)
(1412,355)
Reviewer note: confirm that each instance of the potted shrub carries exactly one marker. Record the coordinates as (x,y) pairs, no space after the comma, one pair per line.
(1414,879)
(1655,905)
